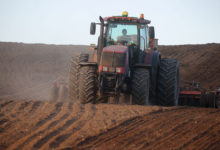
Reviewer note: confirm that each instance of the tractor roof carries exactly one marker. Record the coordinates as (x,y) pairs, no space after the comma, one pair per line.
(126,19)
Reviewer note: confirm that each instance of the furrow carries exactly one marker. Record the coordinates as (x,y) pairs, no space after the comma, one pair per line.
(125,127)
(52,115)
(50,135)
(63,137)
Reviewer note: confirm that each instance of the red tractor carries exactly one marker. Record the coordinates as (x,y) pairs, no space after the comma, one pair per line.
(125,61)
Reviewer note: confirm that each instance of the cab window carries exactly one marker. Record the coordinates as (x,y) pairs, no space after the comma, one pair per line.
(121,34)
(147,37)
(143,38)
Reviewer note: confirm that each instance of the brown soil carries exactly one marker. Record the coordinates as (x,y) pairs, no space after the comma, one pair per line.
(197,62)
(67,125)
(28,121)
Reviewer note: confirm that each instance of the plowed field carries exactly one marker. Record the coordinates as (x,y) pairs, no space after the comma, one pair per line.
(67,125)
(28,120)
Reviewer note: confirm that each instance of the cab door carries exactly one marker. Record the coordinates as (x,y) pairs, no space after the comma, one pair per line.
(144,42)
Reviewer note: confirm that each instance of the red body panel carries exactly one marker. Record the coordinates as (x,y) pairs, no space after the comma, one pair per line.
(119,49)
(190,92)
(116,49)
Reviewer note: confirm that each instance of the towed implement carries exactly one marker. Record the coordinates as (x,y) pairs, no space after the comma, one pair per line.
(193,95)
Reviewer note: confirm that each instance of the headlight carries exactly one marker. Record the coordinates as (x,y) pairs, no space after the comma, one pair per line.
(105,68)
(120,70)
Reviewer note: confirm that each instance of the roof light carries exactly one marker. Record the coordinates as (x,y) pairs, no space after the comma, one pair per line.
(125,14)
(142,16)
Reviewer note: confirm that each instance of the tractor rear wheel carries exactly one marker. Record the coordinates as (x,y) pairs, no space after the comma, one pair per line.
(168,82)
(87,84)
(140,86)
(74,75)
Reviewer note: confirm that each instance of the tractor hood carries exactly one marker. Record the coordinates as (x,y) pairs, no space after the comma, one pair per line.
(115,49)
(114,56)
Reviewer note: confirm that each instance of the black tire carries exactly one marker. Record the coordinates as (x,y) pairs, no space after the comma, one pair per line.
(218,99)
(168,83)
(140,86)
(87,84)
(154,78)
(74,75)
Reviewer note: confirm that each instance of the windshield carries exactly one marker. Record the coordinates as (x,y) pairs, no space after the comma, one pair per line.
(122,34)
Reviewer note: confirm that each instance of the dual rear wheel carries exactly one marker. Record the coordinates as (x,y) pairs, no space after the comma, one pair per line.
(140,86)
(168,83)
(167,93)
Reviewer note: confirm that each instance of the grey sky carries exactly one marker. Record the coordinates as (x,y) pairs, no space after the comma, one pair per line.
(68,21)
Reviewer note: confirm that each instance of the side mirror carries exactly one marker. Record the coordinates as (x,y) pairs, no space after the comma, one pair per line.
(92,28)
(151,32)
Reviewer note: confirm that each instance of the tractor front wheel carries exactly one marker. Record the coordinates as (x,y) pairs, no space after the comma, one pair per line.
(74,75)
(87,84)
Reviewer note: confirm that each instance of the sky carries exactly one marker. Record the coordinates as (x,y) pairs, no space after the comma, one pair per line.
(68,21)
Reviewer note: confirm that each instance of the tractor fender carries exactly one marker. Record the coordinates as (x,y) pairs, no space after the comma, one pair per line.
(146,66)
(88,64)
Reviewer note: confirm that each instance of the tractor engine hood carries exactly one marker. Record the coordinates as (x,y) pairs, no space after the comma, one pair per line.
(116,49)
(115,56)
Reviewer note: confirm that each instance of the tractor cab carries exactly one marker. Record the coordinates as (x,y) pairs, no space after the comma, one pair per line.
(118,32)
(124,30)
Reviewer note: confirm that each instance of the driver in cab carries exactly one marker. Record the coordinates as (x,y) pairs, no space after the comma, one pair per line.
(124,39)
